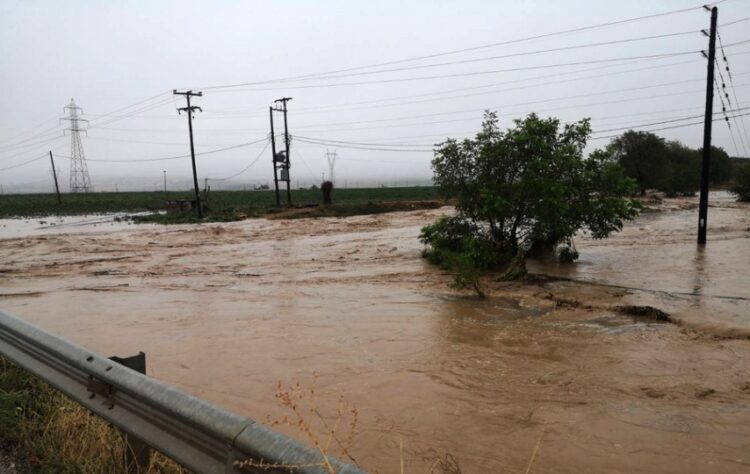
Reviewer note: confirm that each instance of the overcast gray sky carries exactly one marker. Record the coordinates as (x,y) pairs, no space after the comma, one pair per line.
(112,55)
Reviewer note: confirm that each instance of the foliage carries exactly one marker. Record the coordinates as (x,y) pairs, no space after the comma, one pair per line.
(457,244)
(327,188)
(523,189)
(642,156)
(666,166)
(741,186)
(721,166)
(683,175)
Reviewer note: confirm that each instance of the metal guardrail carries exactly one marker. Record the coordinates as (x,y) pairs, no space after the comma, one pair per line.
(196,434)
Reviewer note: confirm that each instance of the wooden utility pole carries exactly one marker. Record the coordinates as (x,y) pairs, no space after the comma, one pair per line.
(54,174)
(706,164)
(285,163)
(273,154)
(190,110)
(283,101)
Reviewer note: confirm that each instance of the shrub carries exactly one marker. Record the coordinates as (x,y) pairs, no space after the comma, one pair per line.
(741,186)
(528,187)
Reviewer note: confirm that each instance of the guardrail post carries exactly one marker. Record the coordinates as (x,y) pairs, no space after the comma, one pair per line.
(137,453)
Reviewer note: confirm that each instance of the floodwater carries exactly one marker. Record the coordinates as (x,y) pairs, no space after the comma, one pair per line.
(29,226)
(546,377)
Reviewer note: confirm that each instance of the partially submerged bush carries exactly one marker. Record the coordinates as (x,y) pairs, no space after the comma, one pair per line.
(526,188)
(567,253)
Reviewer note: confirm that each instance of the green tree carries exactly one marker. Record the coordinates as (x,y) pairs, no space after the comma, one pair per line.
(683,172)
(741,186)
(721,165)
(526,188)
(643,157)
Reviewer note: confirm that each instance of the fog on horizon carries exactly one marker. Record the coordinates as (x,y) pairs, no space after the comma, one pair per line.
(121,61)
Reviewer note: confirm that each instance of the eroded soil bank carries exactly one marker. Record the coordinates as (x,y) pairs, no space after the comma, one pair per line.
(226,311)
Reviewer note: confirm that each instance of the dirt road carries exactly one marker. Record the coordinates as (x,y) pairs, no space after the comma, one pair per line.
(546,374)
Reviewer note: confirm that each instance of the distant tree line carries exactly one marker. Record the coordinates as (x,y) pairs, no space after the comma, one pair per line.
(667,166)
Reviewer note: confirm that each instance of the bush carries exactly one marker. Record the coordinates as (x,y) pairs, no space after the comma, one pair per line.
(741,186)
(567,253)
(526,188)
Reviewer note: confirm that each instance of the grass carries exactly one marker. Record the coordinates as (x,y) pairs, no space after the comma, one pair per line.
(53,434)
(221,204)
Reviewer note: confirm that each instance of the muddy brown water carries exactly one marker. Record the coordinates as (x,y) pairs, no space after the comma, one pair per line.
(548,374)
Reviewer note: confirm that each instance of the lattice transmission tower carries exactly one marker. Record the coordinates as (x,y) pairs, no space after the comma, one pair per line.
(80,182)
(331,157)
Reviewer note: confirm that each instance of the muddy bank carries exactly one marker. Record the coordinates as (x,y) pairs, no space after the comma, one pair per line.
(225,311)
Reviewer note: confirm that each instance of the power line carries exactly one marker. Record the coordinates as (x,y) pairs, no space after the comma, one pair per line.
(501,106)
(24,163)
(245,168)
(510,55)
(357,147)
(56,130)
(29,145)
(612,91)
(744,132)
(358,143)
(31,129)
(664,128)
(342,107)
(724,112)
(662,122)
(175,157)
(474,48)
(132,113)
(147,142)
(505,70)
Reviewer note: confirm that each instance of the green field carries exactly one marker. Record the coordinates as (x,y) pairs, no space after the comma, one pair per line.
(219,202)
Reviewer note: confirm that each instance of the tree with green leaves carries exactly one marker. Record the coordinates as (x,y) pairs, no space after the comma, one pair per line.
(682,176)
(741,186)
(643,157)
(721,165)
(521,190)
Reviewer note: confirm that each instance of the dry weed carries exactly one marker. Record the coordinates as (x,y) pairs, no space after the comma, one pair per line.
(330,436)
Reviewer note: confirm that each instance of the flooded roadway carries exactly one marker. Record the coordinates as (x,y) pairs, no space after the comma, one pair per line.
(547,374)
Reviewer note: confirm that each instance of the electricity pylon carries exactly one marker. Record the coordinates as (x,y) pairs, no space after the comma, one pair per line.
(331,157)
(80,182)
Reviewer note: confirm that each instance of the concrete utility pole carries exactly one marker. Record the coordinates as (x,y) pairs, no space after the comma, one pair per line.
(165,183)
(706,165)
(54,175)
(190,110)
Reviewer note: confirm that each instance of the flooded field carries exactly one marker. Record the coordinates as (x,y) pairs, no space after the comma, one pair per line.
(546,377)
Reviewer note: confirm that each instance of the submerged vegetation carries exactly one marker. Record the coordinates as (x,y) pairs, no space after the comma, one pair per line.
(522,191)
